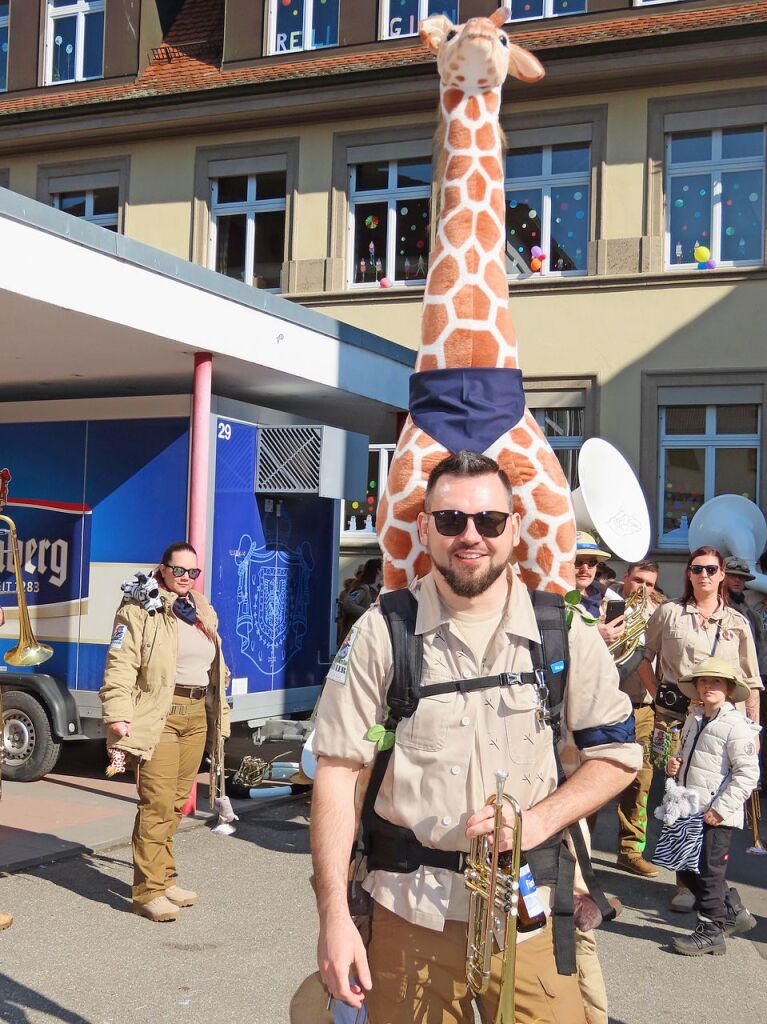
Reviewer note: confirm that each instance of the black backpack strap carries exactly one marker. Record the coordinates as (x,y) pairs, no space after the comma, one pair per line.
(400,610)
(551,658)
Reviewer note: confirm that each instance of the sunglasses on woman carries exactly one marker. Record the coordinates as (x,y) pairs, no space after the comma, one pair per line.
(452,523)
(698,570)
(179,571)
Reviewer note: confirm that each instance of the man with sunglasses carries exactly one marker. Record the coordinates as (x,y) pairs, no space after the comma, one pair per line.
(476,619)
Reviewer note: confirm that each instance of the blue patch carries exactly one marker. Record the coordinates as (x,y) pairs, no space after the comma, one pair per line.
(558,666)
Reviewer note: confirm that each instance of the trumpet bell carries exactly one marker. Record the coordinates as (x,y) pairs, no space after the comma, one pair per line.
(28,655)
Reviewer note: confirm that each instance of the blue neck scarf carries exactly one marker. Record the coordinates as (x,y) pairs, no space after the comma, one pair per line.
(184,608)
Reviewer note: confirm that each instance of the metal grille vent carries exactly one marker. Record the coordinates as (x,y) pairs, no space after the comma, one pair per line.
(288,460)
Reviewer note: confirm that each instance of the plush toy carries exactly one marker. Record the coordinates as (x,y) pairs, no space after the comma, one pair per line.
(677,803)
(145,589)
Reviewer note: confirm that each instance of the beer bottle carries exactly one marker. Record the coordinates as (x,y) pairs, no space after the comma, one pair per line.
(530,912)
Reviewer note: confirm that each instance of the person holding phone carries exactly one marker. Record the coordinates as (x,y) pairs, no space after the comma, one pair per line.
(589,555)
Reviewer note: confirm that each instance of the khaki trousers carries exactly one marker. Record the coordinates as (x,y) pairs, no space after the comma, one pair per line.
(164,784)
(419,977)
(632,806)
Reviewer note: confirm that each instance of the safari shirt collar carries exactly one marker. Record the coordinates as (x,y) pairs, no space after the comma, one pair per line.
(518,617)
(692,609)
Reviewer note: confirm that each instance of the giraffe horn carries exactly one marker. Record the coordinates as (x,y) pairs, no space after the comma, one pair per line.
(501,16)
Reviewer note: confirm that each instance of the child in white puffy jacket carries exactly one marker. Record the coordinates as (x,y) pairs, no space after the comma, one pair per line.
(719,761)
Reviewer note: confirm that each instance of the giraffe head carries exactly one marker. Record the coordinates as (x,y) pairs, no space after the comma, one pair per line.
(477,56)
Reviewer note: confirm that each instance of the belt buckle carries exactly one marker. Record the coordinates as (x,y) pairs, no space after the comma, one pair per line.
(510,678)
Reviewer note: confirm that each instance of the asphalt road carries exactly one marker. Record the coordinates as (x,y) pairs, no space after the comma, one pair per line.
(77,955)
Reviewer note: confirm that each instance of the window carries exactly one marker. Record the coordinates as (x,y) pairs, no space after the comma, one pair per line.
(401,17)
(715,196)
(389,221)
(303,25)
(98,205)
(648,3)
(705,450)
(247,227)
(360,513)
(547,206)
(564,430)
(74,41)
(3,46)
(522,10)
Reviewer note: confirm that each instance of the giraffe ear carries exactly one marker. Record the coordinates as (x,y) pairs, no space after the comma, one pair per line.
(433,31)
(523,65)
(501,16)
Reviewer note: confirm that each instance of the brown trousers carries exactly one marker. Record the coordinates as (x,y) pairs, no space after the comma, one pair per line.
(164,784)
(632,805)
(419,977)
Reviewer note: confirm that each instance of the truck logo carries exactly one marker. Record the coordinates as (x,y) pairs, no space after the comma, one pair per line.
(272,602)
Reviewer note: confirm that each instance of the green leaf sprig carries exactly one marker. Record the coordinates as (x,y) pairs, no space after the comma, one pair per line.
(573,603)
(380,735)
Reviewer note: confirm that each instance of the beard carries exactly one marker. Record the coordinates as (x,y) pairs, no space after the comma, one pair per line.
(471,585)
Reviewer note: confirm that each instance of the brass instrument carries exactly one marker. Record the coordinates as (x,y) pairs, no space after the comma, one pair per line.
(492,879)
(27,651)
(754,814)
(635,624)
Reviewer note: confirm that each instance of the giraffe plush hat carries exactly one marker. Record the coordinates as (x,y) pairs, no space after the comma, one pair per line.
(466,391)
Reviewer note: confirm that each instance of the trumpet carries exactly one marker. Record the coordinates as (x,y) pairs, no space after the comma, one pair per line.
(492,879)
(637,607)
(754,814)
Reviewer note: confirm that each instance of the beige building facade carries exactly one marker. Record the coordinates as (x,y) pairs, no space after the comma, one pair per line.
(291,166)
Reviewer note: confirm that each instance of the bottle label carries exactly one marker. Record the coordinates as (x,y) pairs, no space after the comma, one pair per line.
(528,892)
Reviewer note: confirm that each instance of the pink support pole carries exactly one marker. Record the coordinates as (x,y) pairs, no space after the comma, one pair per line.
(200,443)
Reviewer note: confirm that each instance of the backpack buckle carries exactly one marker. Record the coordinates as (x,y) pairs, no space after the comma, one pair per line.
(542,692)
(510,678)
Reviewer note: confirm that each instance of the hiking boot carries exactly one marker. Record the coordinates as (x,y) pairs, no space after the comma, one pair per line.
(5,921)
(707,938)
(158,909)
(740,923)
(683,901)
(636,864)
(181,897)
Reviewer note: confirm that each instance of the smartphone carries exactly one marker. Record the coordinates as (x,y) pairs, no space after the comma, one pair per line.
(614,610)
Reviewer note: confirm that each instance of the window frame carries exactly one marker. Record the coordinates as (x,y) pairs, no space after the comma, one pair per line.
(5,22)
(548,8)
(717,167)
(544,393)
(385,450)
(653,3)
(385,20)
(79,9)
(84,176)
(306,29)
(103,220)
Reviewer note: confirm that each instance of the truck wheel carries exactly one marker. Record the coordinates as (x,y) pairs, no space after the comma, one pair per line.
(31,751)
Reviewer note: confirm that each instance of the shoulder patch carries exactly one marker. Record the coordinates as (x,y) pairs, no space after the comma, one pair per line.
(118,636)
(341,661)
(749,750)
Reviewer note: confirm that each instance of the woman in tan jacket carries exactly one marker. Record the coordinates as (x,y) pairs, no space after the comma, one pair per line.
(163,694)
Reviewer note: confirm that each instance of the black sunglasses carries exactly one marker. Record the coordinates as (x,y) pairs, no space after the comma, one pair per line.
(698,570)
(179,571)
(592,563)
(452,523)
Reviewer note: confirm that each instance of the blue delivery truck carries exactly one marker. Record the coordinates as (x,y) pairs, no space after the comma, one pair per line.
(100,487)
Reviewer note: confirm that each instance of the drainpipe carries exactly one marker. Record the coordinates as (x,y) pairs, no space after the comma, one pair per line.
(200,447)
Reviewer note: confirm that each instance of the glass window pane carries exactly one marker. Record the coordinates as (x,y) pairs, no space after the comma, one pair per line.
(403,17)
(372,176)
(93,52)
(569,7)
(450,10)
(689,216)
(737,419)
(370,230)
(105,200)
(270,249)
(3,57)
(64,35)
(569,228)
(412,173)
(686,419)
(736,472)
(568,460)
(684,473)
(72,203)
(563,422)
(742,215)
(4,9)
(524,163)
(362,506)
(324,23)
(521,9)
(690,147)
(523,227)
(412,253)
(571,158)
(289,29)
(742,142)
(233,190)
(271,185)
(230,246)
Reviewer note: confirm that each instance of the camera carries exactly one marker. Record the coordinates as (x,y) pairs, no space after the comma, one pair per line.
(671,699)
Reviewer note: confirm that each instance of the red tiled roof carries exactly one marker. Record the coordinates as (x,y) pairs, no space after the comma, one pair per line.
(191,57)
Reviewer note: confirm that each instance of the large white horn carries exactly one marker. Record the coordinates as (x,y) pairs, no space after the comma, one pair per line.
(734,526)
(610,501)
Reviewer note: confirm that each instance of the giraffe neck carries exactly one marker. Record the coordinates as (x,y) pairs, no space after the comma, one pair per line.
(466,319)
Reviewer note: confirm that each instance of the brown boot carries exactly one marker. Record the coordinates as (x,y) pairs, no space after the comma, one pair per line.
(158,909)
(5,921)
(636,864)
(181,897)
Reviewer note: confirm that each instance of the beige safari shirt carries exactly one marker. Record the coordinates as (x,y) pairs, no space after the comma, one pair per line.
(633,685)
(445,757)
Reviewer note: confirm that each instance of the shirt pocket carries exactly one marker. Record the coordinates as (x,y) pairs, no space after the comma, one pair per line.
(427,728)
(518,712)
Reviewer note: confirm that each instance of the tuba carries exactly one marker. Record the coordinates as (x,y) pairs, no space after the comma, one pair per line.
(635,624)
(28,651)
(492,879)
(734,526)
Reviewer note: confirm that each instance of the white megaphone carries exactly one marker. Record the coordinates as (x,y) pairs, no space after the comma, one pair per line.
(610,501)
(734,526)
